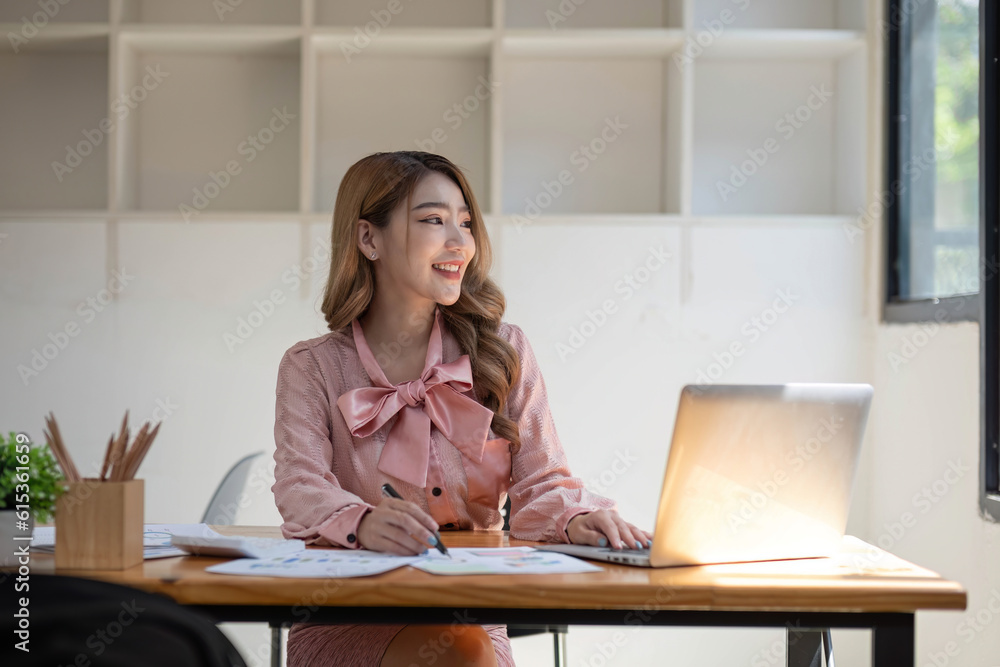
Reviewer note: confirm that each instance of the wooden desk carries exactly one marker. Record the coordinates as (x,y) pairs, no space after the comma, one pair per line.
(863,587)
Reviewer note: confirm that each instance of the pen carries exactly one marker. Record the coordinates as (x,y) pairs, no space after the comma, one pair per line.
(392,493)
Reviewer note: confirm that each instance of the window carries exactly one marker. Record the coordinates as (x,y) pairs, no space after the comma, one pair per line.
(932,201)
(989,324)
(943,199)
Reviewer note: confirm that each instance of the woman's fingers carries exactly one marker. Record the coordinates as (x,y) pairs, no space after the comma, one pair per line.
(607,528)
(604,521)
(638,540)
(586,534)
(409,531)
(396,526)
(631,536)
(420,516)
(402,542)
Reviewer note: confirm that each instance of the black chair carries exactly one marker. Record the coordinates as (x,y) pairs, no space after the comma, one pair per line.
(72,620)
(558,631)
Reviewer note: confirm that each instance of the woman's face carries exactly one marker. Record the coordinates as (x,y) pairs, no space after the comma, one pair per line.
(440,229)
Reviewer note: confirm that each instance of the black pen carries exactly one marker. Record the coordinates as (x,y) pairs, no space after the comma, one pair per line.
(392,493)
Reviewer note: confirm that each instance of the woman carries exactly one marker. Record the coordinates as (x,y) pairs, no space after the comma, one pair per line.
(421,384)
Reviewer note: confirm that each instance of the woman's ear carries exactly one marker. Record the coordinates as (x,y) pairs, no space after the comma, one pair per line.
(366,238)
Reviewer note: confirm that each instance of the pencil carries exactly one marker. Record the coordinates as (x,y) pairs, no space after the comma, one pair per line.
(118,450)
(140,452)
(130,452)
(58,448)
(107,458)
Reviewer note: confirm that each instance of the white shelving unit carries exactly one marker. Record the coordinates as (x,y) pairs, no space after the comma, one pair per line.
(646,108)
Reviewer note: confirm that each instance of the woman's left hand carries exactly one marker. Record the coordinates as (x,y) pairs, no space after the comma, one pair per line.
(604,527)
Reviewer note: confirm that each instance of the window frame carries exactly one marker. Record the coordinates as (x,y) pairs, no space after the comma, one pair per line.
(989,253)
(960,308)
(984,306)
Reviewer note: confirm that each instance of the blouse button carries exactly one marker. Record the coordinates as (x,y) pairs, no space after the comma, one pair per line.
(351,538)
(436,490)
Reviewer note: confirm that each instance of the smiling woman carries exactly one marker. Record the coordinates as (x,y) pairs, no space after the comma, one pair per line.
(422,385)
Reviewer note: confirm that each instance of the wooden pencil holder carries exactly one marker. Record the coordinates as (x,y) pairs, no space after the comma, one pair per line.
(99,525)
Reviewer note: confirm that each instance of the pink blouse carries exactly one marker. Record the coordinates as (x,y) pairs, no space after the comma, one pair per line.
(342,430)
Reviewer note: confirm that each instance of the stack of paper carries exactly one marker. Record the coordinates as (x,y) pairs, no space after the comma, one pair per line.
(201,540)
(155,539)
(359,563)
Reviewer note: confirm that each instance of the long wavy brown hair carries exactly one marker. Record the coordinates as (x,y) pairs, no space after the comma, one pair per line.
(372,189)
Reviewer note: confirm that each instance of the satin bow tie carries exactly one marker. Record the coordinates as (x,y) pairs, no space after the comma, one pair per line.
(432,398)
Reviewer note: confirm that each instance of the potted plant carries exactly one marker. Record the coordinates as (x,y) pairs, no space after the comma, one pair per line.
(30,483)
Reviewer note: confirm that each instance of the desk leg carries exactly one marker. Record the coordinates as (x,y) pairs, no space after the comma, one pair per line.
(275,644)
(892,643)
(559,648)
(805,648)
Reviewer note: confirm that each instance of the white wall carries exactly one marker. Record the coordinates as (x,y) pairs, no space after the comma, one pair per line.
(925,463)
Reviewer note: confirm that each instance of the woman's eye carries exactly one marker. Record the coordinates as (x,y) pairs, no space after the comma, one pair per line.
(437,220)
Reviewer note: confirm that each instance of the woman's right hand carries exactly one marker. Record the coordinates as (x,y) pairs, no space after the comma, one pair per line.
(397,526)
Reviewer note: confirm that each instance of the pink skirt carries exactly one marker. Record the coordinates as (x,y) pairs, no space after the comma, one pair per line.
(321,645)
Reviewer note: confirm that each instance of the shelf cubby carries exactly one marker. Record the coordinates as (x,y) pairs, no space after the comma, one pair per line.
(407,14)
(76,11)
(238,100)
(222,12)
(556,15)
(784,144)
(779,14)
(400,103)
(55,111)
(566,122)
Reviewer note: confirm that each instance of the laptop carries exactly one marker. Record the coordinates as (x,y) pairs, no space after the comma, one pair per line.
(754,472)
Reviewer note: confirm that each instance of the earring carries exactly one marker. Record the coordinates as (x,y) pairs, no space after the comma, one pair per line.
(373,255)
